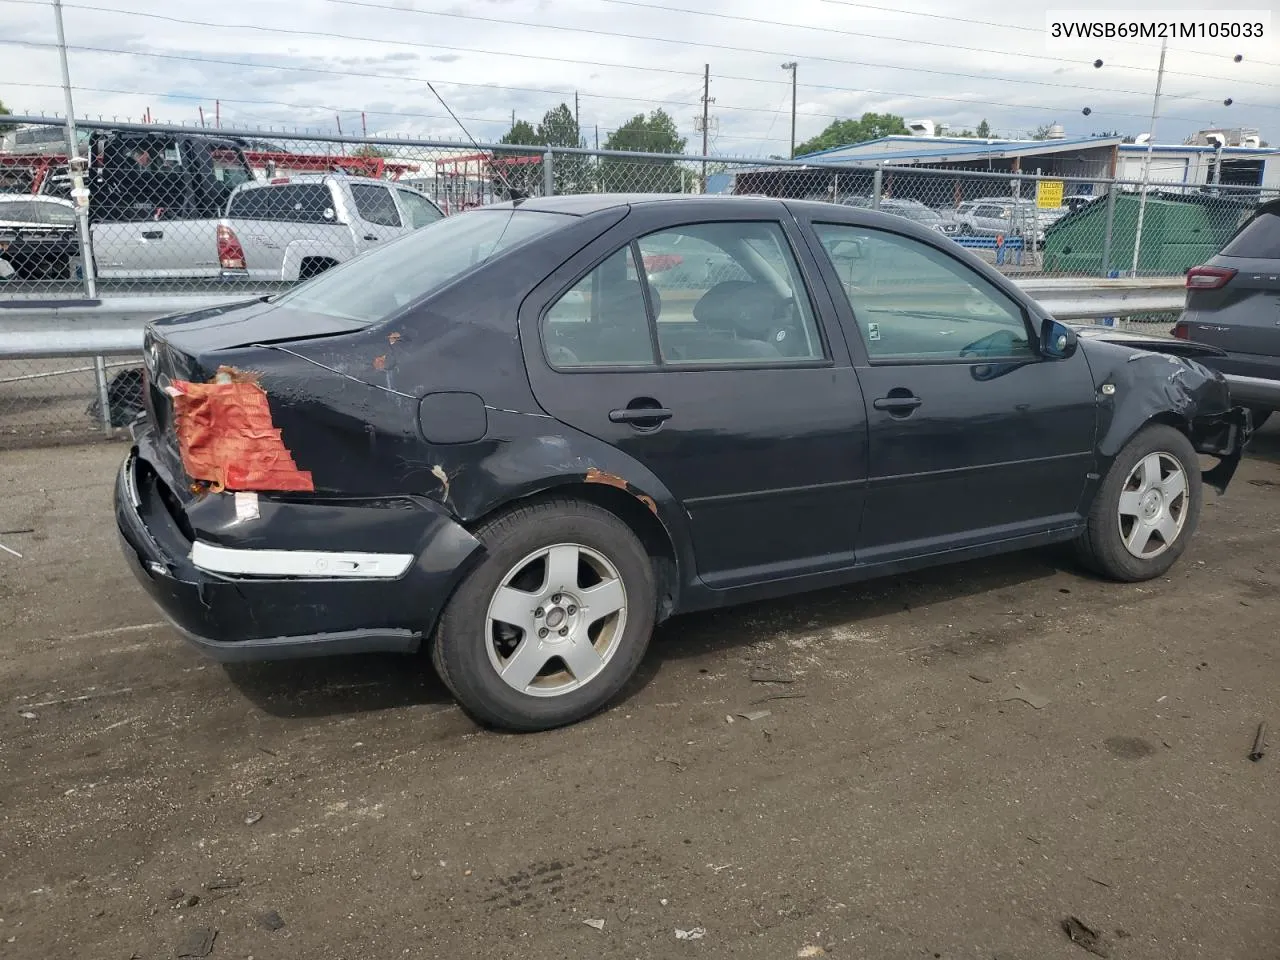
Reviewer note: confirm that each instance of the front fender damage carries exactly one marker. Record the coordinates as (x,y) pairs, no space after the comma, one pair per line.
(1140,387)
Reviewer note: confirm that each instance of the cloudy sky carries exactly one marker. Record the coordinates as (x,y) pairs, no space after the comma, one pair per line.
(310,64)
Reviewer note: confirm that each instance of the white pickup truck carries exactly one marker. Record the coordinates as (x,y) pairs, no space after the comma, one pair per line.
(282,230)
(293,228)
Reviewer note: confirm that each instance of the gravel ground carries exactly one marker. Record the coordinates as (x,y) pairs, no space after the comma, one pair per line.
(893,803)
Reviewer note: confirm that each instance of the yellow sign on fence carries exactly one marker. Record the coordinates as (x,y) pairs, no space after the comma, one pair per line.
(1049,194)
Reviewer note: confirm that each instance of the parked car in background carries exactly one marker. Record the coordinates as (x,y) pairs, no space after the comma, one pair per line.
(1076,201)
(1233,303)
(38,237)
(498,438)
(293,228)
(921,214)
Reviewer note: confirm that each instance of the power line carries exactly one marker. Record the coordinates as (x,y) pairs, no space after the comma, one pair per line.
(913,41)
(290,31)
(327,108)
(720,46)
(1016,26)
(401,78)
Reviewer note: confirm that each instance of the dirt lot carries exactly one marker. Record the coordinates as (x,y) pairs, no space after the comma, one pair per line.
(896,805)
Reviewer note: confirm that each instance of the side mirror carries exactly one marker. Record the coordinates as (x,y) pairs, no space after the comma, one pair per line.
(1057,340)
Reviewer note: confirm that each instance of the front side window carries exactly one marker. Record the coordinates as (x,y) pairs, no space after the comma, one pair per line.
(375,204)
(912,302)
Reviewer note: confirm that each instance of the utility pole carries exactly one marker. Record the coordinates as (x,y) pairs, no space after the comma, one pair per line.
(597,136)
(706,107)
(575,114)
(77,168)
(513,119)
(1146,161)
(792,67)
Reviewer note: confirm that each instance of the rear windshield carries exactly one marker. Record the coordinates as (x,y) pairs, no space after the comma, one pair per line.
(290,203)
(388,278)
(1259,238)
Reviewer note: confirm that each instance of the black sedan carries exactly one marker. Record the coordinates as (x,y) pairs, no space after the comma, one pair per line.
(522,436)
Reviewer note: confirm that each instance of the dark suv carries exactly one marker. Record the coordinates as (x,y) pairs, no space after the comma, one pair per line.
(1233,303)
(521,436)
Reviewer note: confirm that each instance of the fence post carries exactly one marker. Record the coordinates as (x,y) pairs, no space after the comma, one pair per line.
(104,395)
(1110,227)
(877,185)
(548,174)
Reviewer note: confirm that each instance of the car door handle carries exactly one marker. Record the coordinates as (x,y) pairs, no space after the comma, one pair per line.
(152,234)
(897,404)
(370,236)
(639,415)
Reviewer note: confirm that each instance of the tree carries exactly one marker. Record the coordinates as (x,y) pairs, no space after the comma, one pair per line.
(524,178)
(870,126)
(4,112)
(369,150)
(522,134)
(1041,132)
(656,133)
(984,129)
(559,128)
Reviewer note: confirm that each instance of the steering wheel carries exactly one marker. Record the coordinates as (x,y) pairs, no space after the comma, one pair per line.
(1002,343)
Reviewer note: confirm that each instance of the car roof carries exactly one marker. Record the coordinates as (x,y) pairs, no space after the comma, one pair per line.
(585,204)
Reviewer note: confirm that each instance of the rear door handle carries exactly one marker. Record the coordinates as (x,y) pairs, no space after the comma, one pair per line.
(639,415)
(152,234)
(370,236)
(897,403)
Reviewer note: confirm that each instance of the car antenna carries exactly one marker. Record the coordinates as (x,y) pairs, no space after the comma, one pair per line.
(515,195)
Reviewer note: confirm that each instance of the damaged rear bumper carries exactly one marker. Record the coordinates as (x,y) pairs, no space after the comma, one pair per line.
(291,602)
(1224,435)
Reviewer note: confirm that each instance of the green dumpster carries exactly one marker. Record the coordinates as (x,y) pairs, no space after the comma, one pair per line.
(1176,234)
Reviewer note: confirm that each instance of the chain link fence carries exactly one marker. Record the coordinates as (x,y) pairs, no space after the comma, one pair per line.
(174,210)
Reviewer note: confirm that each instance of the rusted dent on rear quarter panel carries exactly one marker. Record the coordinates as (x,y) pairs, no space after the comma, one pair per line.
(226,437)
(380,363)
(595,475)
(394,337)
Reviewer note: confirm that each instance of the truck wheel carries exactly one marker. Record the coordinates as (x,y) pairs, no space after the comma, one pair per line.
(1147,508)
(553,622)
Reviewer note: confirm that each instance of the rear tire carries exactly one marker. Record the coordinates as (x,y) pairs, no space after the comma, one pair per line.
(552,623)
(1147,508)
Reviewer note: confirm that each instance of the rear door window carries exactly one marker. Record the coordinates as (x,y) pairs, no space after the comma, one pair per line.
(289,203)
(1257,239)
(375,204)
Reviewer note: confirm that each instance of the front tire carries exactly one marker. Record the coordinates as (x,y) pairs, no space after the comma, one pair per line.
(553,622)
(1147,508)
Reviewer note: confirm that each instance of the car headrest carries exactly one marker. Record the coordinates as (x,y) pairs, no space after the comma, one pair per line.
(741,306)
(622,301)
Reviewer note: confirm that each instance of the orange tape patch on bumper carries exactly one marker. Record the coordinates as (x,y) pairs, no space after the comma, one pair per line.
(226,438)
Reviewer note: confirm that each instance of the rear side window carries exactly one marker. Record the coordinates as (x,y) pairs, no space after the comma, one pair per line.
(54,213)
(1259,238)
(290,203)
(375,205)
(419,209)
